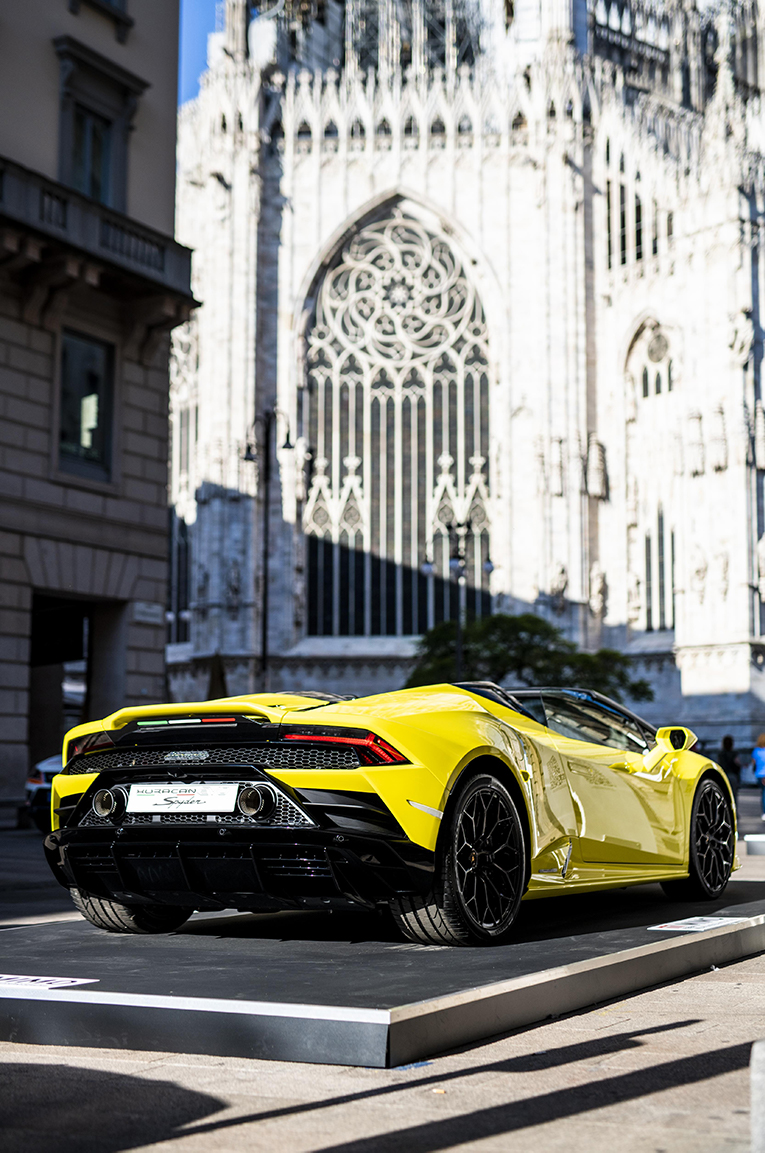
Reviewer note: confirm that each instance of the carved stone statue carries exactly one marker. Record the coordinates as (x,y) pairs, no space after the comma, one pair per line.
(598,591)
(699,569)
(761,567)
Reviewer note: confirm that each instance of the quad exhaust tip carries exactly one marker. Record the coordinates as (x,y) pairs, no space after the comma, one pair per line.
(256,801)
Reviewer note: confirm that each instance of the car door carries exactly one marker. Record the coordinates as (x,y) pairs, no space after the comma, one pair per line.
(627,811)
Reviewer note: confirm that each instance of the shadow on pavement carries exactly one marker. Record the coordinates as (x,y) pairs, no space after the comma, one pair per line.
(498,1120)
(524,1113)
(75,1110)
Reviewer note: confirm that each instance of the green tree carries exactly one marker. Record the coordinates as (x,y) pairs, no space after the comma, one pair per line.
(523,650)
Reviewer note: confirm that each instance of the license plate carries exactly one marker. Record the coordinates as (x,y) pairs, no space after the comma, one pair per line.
(163,798)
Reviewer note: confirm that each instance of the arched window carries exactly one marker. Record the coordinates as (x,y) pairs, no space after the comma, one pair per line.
(304,130)
(383,128)
(638,228)
(358,131)
(396,415)
(411,128)
(657,382)
(646,388)
(669,376)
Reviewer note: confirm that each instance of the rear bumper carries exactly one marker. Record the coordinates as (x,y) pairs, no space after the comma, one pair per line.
(238,868)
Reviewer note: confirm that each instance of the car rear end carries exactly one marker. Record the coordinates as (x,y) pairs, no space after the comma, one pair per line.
(232,810)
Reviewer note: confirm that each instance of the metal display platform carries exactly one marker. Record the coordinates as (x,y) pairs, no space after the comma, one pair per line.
(343,988)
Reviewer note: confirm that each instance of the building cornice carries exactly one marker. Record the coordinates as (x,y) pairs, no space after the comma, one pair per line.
(68,48)
(122,22)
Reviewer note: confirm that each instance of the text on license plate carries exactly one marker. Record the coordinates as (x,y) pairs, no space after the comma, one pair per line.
(201,798)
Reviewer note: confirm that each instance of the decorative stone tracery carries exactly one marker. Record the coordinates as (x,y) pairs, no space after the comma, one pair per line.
(396,413)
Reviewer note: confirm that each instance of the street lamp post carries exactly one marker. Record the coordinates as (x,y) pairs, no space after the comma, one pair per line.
(458,537)
(262,452)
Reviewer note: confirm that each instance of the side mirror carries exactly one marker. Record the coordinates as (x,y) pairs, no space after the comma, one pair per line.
(668,740)
(675,739)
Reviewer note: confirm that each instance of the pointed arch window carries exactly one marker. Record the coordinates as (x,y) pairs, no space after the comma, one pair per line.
(304,136)
(331,140)
(384,135)
(358,135)
(396,415)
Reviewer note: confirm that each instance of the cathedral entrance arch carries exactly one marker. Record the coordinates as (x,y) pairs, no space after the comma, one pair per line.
(395,414)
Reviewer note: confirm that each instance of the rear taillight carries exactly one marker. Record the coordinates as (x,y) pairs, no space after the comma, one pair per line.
(370,749)
(90,743)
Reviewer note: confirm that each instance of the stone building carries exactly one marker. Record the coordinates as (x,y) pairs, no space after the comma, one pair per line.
(483,279)
(91,282)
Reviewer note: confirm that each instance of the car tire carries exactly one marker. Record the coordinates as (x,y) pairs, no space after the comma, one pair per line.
(115,917)
(712,846)
(480,873)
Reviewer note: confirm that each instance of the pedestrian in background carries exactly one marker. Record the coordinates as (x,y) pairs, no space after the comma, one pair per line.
(728,761)
(758,761)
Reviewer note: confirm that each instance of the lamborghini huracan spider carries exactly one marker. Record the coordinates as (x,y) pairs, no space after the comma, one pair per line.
(447,804)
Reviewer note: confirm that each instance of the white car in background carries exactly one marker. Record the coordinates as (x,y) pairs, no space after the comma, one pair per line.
(37,792)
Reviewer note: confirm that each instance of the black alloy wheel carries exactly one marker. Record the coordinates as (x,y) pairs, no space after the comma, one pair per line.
(488,856)
(712,846)
(480,872)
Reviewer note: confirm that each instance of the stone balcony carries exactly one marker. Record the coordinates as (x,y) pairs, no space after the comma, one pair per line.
(64,220)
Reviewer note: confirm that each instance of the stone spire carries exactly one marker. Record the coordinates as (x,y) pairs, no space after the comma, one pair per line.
(418,39)
(237,20)
(389,46)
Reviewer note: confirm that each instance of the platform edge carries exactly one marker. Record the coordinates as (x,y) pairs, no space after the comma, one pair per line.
(425,1028)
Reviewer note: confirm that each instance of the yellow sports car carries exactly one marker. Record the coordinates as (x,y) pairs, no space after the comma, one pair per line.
(448,804)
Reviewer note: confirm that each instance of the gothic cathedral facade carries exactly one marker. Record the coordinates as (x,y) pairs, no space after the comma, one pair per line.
(477,279)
